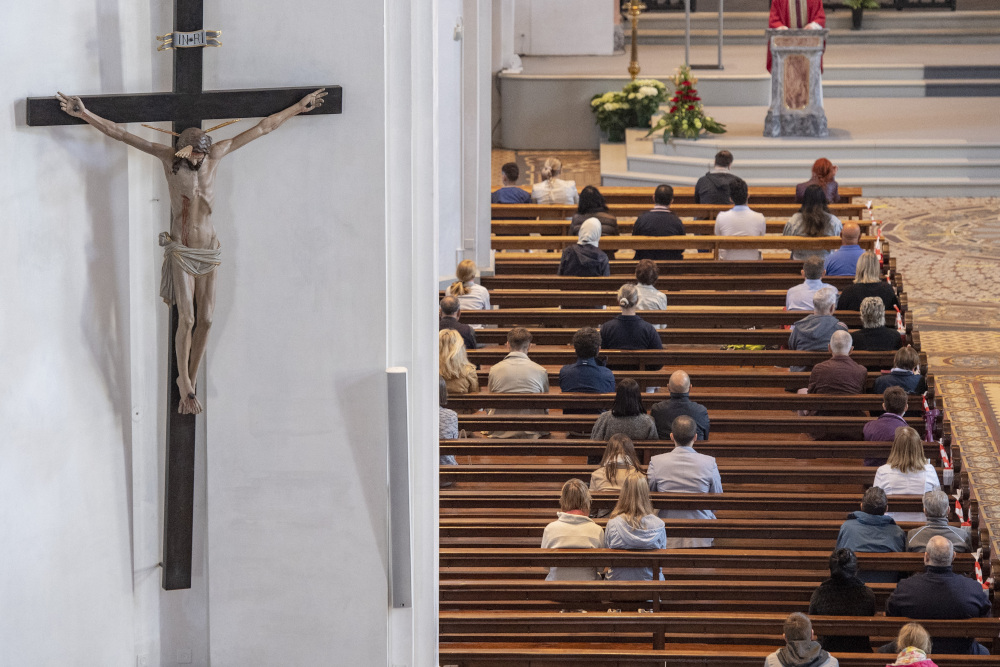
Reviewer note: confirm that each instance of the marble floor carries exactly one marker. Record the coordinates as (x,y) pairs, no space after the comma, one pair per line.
(949,253)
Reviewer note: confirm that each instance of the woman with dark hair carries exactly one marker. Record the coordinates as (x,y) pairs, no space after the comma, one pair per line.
(592,205)
(585,258)
(627,416)
(813,219)
(843,594)
(824,174)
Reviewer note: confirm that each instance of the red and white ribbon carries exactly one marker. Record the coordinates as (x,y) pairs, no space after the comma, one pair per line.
(900,327)
(979,570)
(958,509)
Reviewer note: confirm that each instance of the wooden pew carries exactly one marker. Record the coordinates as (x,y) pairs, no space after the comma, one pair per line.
(561,227)
(785,210)
(666,283)
(708,243)
(624,194)
(677,316)
(529,263)
(673,335)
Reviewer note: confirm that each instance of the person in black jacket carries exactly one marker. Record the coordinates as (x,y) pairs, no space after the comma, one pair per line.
(713,187)
(585,258)
(940,593)
(843,594)
(659,221)
(628,331)
(868,281)
(874,335)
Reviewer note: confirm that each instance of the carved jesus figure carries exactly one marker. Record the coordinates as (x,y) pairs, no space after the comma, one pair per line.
(191,249)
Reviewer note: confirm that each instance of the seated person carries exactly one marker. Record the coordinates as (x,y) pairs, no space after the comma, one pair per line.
(843,261)
(634,526)
(665,412)
(683,470)
(585,258)
(905,373)
(510,193)
(873,334)
(936,509)
(450,311)
(628,331)
(801,648)
(447,428)
(715,187)
(470,295)
(813,332)
(587,374)
(800,297)
(839,374)
(740,221)
(907,472)
(618,462)
(574,529)
(914,644)
(626,416)
(813,219)
(870,530)
(843,594)
(868,282)
(453,364)
(660,221)
(517,374)
(823,175)
(592,205)
(650,298)
(884,428)
(938,592)
(552,189)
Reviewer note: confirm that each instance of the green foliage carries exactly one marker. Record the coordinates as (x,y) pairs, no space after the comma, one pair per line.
(634,106)
(862,4)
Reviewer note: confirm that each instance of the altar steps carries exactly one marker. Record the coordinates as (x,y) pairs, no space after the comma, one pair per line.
(878,27)
(884,168)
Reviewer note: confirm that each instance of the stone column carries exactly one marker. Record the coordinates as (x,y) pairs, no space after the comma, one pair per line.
(796,84)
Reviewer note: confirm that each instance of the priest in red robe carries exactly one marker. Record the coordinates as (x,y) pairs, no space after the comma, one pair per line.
(795,14)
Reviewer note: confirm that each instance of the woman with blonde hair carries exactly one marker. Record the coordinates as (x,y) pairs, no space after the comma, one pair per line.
(824,174)
(634,525)
(574,529)
(619,461)
(907,472)
(554,190)
(470,295)
(867,282)
(459,375)
(913,644)
(628,331)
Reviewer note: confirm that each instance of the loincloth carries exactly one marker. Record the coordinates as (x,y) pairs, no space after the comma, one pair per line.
(193,261)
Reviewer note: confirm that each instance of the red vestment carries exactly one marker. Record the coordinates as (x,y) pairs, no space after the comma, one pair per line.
(781,15)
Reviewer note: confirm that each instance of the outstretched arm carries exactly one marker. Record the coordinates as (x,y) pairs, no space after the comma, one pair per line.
(74,107)
(272,122)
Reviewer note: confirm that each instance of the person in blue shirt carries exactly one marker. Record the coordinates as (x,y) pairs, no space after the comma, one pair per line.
(510,193)
(587,374)
(844,260)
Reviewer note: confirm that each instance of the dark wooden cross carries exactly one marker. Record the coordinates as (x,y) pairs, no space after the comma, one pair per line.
(186,107)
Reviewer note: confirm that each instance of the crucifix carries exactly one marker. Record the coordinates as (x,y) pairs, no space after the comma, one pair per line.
(191,249)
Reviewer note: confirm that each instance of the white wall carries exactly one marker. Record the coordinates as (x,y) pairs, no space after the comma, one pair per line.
(330,244)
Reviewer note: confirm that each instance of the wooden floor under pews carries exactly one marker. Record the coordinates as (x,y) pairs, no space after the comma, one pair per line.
(787,490)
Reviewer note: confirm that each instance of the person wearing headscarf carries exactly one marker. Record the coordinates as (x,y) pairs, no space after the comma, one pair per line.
(585,258)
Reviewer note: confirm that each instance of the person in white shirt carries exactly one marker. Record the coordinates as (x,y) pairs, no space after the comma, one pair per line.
(650,298)
(907,472)
(800,297)
(553,190)
(470,295)
(574,529)
(740,221)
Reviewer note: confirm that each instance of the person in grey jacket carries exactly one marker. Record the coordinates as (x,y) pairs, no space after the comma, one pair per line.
(801,648)
(870,530)
(626,416)
(634,526)
(813,332)
(684,470)
(936,510)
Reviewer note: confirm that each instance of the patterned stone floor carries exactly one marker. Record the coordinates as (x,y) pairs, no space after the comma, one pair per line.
(949,253)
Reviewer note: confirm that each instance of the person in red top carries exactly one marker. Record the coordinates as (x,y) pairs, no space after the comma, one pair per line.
(795,14)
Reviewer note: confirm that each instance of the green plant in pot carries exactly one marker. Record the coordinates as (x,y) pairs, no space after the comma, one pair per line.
(857,10)
(613,114)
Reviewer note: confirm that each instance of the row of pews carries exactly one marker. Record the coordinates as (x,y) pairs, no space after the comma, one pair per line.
(788,487)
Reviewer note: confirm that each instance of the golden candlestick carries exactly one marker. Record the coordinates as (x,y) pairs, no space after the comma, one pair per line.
(635,8)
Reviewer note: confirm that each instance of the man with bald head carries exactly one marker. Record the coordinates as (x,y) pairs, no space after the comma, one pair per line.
(683,470)
(844,260)
(940,593)
(665,412)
